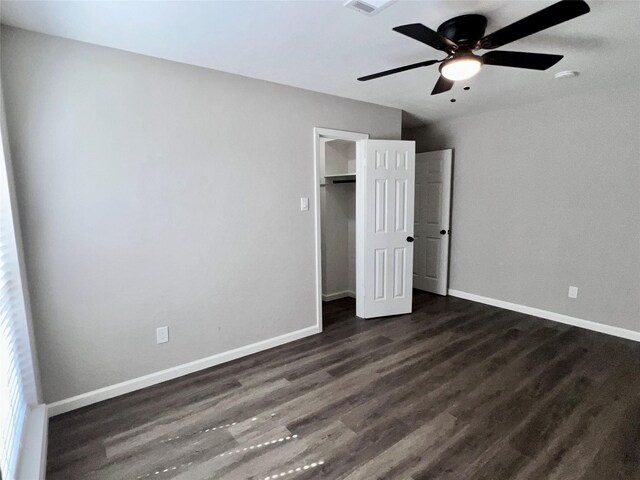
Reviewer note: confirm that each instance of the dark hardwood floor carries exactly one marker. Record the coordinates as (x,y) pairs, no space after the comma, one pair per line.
(456,390)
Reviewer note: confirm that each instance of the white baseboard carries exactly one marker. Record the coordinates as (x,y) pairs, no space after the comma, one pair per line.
(556,317)
(33,458)
(335,296)
(72,403)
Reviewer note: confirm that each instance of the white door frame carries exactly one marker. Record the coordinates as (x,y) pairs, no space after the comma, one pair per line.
(319,133)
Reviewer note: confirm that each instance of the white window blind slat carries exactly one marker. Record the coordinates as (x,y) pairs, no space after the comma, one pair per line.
(17,382)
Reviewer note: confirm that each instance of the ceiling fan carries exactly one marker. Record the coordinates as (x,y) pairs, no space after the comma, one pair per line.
(460,36)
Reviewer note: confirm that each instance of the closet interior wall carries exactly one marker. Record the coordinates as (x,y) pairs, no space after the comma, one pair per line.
(338,221)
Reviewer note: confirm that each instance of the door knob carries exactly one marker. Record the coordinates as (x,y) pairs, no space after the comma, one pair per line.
(442,232)
(409,239)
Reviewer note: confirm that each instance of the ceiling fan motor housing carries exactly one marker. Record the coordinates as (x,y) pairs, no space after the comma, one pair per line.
(465,30)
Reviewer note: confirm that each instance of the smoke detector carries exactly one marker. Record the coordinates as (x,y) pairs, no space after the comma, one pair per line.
(370,7)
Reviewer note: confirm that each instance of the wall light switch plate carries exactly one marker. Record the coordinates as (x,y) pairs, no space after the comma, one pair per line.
(304,204)
(573,292)
(162,335)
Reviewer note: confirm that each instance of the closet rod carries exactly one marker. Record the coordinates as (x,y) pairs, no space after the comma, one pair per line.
(344,181)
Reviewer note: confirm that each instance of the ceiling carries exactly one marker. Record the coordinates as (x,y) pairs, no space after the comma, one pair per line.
(323,46)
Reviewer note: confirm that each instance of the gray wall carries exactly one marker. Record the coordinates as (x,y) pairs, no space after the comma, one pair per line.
(338,237)
(154,193)
(546,196)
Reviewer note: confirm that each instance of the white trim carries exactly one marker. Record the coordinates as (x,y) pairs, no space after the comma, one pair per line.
(319,132)
(84,399)
(334,134)
(361,195)
(33,458)
(335,296)
(556,317)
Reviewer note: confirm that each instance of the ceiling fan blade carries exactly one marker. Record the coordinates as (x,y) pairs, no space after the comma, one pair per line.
(545,18)
(398,70)
(533,61)
(423,34)
(442,85)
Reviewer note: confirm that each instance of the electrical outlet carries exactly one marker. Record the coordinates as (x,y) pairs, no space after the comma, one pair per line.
(162,334)
(573,292)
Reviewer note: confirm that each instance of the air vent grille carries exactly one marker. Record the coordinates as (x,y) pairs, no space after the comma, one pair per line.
(364,7)
(372,7)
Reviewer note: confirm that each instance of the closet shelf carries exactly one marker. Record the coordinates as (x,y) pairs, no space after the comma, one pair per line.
(338,176)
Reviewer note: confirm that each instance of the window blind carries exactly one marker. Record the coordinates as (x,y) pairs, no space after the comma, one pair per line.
(17,382)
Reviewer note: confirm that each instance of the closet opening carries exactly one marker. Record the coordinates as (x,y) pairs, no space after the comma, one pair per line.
(338,225)
(336,162)
(364,202)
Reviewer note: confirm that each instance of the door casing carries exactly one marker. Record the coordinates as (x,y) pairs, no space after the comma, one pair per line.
(318,134)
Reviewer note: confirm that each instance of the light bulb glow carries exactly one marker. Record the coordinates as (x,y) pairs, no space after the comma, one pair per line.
(460,68)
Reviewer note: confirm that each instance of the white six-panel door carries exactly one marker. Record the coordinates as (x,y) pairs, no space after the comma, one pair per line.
(384,230)
(432,221)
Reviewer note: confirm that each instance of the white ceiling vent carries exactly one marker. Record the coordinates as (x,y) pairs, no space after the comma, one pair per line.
(370,7)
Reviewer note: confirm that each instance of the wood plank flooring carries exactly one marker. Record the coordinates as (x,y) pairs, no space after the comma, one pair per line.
(456,390)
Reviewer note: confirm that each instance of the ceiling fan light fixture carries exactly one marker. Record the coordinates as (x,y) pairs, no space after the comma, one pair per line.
(461,68)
